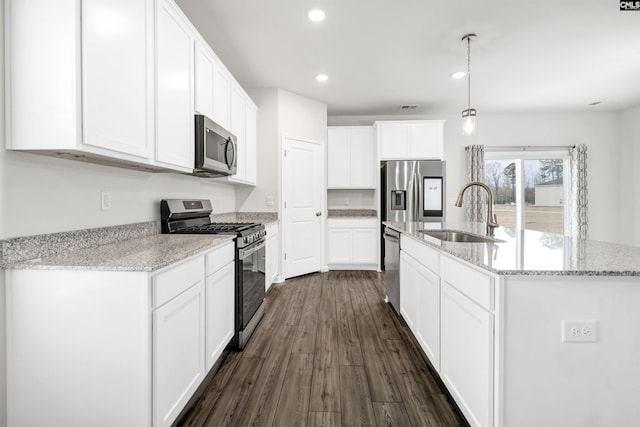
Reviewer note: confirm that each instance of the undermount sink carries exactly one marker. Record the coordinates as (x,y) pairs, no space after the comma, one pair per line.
(459,236)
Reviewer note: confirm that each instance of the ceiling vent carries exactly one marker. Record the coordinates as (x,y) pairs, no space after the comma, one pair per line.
(408,107)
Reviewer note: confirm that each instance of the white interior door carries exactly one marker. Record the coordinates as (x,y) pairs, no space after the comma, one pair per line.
(302,195)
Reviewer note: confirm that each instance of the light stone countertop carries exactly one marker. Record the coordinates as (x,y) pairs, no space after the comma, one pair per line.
(265,218)
(352,213)
(527,252)
(139,254)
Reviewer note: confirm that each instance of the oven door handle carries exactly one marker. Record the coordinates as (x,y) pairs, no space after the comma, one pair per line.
(245,252)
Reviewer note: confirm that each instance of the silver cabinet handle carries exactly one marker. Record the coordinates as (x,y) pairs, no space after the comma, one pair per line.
(318,213)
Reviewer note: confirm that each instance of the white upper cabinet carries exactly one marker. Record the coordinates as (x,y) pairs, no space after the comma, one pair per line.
(350,157)
(414,139)
(204,69)
(174,99)
(86,73)
(251,142)
(120,84)
(238,128)
(221,96)
(118,64)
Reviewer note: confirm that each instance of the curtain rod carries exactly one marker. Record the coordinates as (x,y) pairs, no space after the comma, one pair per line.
(526,147)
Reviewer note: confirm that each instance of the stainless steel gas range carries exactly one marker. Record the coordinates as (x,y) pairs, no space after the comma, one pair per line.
(193,217)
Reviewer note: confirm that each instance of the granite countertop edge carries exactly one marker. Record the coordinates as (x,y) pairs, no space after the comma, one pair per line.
(448,248)
(144,254)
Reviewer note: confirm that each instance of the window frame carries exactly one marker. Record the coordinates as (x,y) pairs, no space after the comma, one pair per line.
(519,155)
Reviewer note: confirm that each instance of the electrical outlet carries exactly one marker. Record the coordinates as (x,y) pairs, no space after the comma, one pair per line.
(105,200)
(579,331)
(269,200)
(346,202)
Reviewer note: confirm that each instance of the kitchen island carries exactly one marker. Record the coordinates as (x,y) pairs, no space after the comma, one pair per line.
(535,329)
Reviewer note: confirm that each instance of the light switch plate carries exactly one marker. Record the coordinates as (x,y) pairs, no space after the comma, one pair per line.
(105,200)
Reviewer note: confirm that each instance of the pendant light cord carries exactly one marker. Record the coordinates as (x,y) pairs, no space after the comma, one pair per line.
(469,72)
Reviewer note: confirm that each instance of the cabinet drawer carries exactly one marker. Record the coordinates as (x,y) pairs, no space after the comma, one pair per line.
(425,255)
(220,257)
(174,281)
(471,282)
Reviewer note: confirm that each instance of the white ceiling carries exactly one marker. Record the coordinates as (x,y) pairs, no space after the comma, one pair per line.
(534,55)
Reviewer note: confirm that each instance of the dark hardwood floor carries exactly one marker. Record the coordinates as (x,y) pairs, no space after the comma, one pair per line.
(329,352)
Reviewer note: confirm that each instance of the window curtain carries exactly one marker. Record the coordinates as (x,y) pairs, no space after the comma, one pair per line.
(579,208)
(475,197)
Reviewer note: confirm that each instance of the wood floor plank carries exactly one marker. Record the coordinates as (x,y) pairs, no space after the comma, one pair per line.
(324,419)
(355,400)
(386,327)
(295,301)
(259,344)
(382,383)
(390,414)
(305,340)
(263,400)
(325,383)
(327,335)
(231,402)
(444,411)
(349,351)
(199,413)
(327,307)
(293,406)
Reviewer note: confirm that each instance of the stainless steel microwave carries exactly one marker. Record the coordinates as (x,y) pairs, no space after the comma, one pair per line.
(216,149)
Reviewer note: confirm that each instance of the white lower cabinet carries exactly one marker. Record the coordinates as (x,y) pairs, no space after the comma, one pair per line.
(353,243)
(447,304)
(467,355)
(271,256)
(220,290)
(420,305)
(178,353)
(115,348)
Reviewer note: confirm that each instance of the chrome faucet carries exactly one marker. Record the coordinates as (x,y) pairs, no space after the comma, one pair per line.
(492,222)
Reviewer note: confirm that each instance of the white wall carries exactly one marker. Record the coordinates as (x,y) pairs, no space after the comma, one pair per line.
(279,113)
(351,199)
(627,213)
(599,131)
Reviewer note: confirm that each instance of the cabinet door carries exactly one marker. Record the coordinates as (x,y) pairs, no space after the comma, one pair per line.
(361,158)
(408,290)
(365,245)
(428,327)
(174,88)
(467,355)
(205,65)
(238,128)
(426,141)
(178,353)
(221,96)
(338,158)
(394,141)
(118,75)
(340,244)
(251,143)
(219,312)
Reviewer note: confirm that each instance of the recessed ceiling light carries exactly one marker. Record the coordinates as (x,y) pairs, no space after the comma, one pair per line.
(458,74)
(317,15)
(322,78)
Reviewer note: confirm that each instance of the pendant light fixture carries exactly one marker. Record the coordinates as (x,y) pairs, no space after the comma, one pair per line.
(469,115)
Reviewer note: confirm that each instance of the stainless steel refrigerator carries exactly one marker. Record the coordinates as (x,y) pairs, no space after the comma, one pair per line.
(412,190)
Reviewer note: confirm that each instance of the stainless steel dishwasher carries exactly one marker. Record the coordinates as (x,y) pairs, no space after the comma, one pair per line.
(392,267)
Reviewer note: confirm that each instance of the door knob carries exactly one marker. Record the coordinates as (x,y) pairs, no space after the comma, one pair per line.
(318,213)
